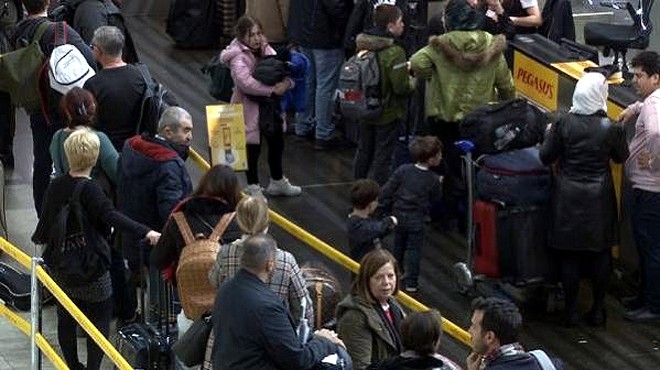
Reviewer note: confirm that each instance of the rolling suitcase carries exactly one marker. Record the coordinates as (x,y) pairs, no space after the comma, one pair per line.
(511,242)
(486,254)
(148,345)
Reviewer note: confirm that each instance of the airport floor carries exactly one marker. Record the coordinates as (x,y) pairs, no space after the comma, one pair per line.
(321,210)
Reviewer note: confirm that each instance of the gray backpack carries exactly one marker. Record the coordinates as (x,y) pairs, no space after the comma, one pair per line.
(360,96)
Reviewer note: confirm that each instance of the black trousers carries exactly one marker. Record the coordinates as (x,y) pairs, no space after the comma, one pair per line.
(275,144)
(7,125)
(42,134)
(454,191)
(374,152)
(99,314)
(575,264)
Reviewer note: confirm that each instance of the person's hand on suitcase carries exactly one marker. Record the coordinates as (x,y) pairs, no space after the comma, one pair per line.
(331,336)
(152,237)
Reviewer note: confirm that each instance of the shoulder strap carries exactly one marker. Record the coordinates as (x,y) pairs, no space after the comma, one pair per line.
(60,33)
(40,31)
(181,222)
(220,228)
(543,359)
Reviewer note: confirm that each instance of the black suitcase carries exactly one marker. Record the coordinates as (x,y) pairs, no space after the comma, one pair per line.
(14,287)
(148,345)
(522,242)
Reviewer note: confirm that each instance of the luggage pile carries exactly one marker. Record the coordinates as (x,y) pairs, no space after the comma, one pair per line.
(510,215)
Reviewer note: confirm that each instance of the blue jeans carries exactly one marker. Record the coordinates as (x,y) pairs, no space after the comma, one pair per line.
(322,83)
(646,230)
(408,240)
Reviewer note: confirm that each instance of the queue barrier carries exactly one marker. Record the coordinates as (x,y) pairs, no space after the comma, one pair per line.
(449,327)
(41,274)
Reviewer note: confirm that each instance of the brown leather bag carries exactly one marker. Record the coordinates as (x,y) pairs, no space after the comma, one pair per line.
(196,260)
(325,292)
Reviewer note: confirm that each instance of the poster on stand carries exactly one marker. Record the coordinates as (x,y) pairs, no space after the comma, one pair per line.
(226,132)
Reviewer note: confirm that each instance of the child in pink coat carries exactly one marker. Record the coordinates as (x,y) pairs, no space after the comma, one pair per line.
(241,56)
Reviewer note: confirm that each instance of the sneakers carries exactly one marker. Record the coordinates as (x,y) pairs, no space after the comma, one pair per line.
(255,190)
(282,187)
(411,288)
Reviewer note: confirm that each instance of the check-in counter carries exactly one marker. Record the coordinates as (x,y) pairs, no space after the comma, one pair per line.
(546,74)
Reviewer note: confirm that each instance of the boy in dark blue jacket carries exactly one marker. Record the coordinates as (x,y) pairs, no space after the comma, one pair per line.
(409,193)
(364,231)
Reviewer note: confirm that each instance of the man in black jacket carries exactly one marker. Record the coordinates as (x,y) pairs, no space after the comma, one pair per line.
(44,123)
(318,27)
(258,333)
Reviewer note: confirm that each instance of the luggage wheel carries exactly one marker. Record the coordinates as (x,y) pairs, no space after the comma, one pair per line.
(463,280)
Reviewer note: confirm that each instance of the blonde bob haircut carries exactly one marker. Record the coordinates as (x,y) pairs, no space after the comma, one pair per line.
(252,215)
(82,149)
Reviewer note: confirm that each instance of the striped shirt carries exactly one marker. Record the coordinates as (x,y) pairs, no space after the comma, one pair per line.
(647,138)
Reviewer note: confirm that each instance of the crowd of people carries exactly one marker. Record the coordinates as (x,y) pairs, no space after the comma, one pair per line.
(79,138)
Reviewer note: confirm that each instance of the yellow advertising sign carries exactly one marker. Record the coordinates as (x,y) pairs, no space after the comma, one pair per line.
(576,70)
(226,129)
(536,81)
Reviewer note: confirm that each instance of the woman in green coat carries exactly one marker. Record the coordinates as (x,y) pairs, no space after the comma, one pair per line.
(369,319)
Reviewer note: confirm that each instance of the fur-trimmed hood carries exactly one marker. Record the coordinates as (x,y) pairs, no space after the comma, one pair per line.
(365,41)
(469,49)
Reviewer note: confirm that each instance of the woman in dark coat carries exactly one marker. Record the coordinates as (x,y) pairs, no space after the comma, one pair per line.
(585,218)
(217,193)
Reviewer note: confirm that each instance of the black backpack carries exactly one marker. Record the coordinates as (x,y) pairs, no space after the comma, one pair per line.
(76,253)
(155,100)
(496,128)
(221,84)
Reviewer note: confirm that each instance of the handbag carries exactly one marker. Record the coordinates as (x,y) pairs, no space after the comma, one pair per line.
(191,346)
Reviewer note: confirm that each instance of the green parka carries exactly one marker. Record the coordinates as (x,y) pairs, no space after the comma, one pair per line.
(467,69)
(366,336)
(396,83)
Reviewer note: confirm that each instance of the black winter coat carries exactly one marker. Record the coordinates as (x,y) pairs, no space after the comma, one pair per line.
(202,214)
(523,361)
(318,24)
(584,206)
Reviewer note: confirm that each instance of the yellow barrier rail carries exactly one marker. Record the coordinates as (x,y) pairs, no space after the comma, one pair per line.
(68,304)
(452,329)
(24,326)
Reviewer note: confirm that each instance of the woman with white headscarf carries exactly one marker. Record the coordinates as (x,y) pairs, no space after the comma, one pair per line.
(585,217)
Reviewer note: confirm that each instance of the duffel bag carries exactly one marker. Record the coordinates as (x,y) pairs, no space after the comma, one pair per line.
(515,178)
(513,124)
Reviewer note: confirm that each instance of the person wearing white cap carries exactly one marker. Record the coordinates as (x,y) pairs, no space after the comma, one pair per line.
(584,210)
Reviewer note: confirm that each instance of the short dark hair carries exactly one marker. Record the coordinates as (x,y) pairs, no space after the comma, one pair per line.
(244,25)
(502,317)
(647,61)
(34,6)
(421,332)
(424,148)
(257,251)
(220,182)
(385,14)
(369,265)
(363,192)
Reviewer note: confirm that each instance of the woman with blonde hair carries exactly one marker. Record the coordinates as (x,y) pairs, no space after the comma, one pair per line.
(286,281)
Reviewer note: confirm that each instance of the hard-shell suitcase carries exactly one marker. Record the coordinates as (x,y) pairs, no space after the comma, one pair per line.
(511,242)
(148,345)
(486,254)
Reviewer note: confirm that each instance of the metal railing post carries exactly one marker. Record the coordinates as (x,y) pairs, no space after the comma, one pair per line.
(34,314)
